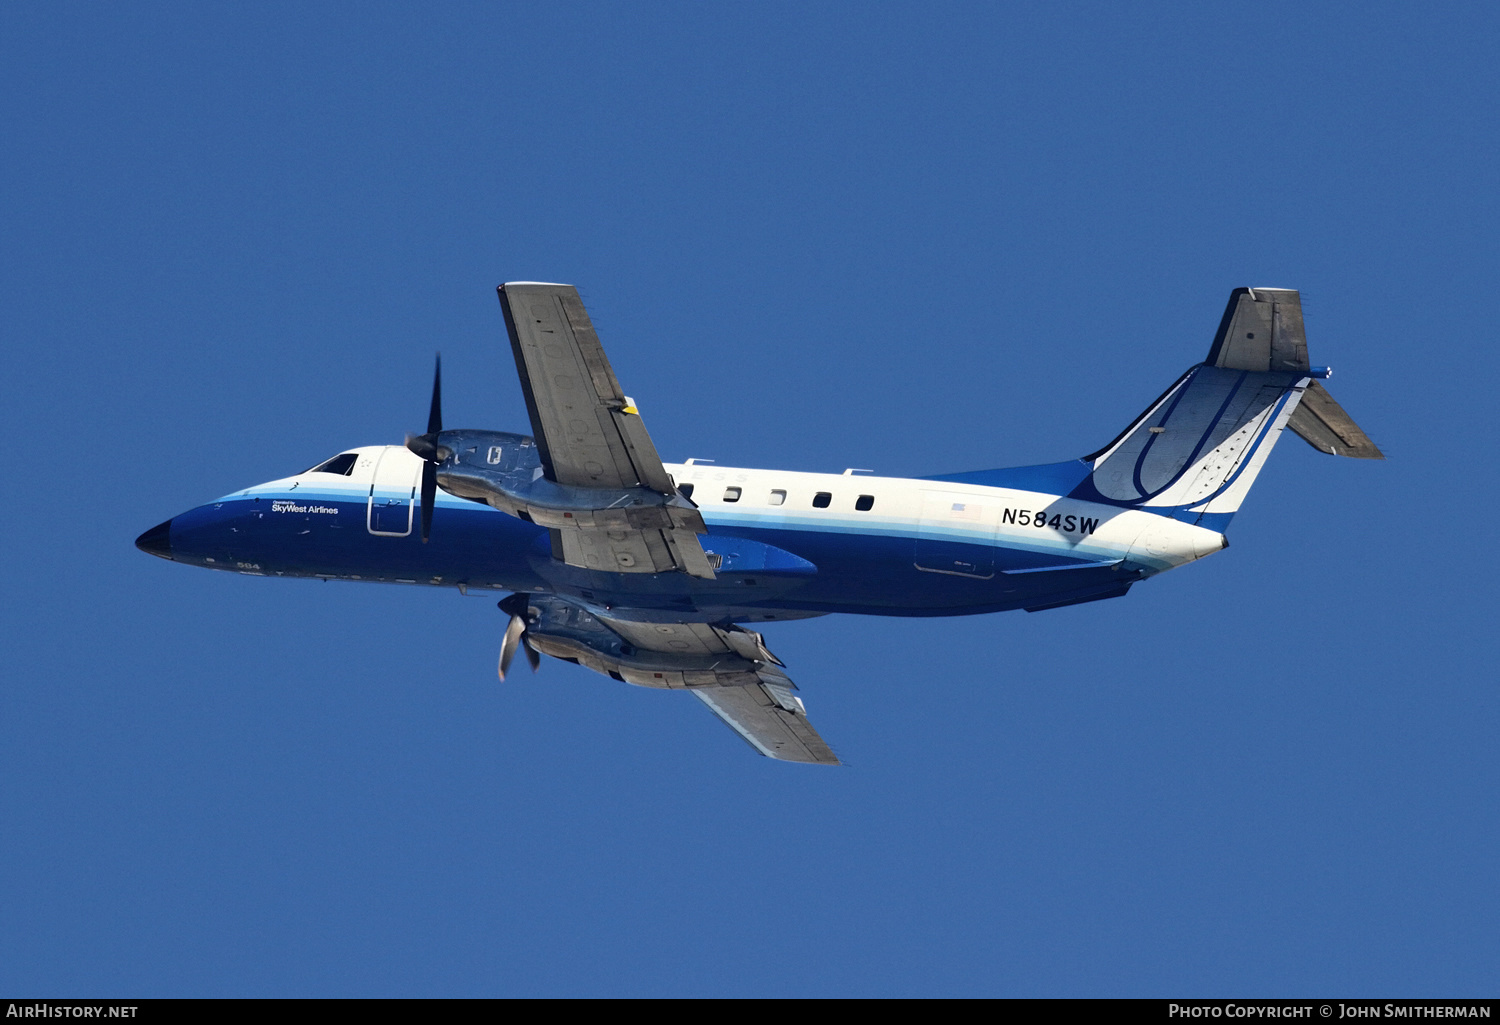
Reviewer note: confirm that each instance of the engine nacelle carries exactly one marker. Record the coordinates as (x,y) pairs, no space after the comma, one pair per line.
(566,631)
(505,471)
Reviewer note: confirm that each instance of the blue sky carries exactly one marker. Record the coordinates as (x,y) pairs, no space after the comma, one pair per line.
(916,238)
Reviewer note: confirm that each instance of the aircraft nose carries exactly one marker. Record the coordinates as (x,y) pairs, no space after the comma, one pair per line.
(157,540)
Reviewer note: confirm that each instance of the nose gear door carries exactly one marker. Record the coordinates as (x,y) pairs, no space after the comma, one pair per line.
(393,493)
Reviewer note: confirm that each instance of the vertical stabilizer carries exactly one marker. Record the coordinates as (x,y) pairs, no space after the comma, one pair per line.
(1195,452)
(1261,331)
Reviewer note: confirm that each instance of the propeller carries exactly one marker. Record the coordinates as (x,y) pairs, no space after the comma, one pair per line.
(426,446)
(515,634)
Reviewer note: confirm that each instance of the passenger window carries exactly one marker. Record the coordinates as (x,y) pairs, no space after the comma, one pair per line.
(822,499)
(731,494)
(778,498)
(864,503)
(686,489)
(341,464)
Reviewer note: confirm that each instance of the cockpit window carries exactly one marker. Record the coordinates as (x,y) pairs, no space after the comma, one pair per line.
(343,463)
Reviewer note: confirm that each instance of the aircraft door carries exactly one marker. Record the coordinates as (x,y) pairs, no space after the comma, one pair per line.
(957,535)
(393,493)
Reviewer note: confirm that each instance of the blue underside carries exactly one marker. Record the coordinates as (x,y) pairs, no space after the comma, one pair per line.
(478,547)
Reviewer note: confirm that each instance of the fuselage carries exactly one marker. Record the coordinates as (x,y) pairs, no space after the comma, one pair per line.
(786,544)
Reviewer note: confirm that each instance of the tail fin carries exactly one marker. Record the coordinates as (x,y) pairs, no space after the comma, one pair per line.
(1195,451)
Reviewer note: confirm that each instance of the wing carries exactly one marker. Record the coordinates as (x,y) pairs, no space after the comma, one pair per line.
(587,432)
(746,688)
(771,719)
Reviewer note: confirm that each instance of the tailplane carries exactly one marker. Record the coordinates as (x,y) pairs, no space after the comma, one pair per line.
(1194,453)
(1323,424)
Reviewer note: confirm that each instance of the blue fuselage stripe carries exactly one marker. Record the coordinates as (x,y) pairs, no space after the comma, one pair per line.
(324,532)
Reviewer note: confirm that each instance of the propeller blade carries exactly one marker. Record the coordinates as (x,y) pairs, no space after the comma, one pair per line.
(516,635)
(429,496)
(514,638)
(427,449)
(435,414)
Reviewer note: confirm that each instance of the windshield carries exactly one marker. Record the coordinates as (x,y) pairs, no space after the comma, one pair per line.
(343,464)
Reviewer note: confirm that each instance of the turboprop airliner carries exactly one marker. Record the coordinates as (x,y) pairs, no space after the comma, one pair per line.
(660,574)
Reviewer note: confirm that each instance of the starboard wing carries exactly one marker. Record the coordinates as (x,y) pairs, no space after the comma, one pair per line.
(758,703)
(771,719)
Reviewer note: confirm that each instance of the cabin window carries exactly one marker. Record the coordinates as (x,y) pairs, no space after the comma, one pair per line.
(731,494)
(777,498)
(686,489)
(864,503)
(822,500)
(341,464)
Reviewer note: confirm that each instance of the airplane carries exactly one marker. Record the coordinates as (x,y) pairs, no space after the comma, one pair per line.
(659,574)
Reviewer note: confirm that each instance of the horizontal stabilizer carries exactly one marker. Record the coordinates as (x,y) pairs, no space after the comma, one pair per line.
(1323,424)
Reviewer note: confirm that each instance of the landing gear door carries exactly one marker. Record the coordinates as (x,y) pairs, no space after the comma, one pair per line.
(393,492)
